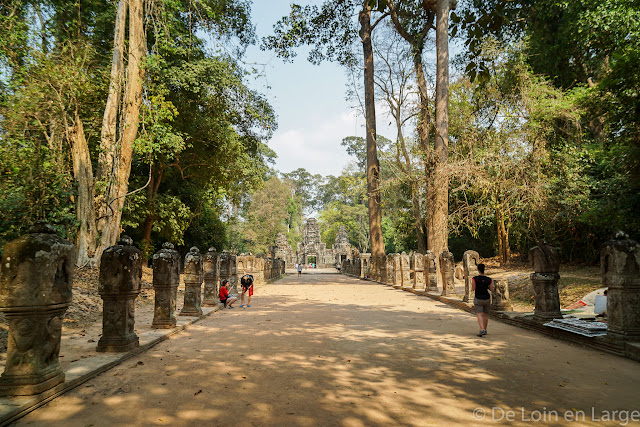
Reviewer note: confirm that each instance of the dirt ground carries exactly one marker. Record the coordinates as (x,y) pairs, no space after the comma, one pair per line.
(331,350)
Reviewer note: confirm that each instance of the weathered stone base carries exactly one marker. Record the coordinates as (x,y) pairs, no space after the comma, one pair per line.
(545,316)
(190,311)
(164,324)
(30,384)
(210,302)
(117,345)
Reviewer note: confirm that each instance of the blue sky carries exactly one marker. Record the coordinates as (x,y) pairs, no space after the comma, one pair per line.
(313,115)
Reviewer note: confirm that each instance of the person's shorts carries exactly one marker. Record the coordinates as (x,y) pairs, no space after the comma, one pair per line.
(250,290)
(482,305)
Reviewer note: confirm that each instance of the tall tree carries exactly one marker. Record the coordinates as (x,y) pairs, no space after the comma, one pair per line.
(332,32)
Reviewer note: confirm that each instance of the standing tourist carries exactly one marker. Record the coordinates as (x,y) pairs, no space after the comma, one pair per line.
(246,282)
(482,284)
(299,270)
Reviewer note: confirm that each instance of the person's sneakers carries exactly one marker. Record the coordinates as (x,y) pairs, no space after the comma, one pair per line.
(484,332)
(479,334)
(229,307)
(241,305)
(248,305)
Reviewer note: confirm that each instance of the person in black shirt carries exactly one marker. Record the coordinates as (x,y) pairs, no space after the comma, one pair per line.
(482,284)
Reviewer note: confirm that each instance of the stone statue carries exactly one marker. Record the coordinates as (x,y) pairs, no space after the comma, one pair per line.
(211,278)
(430,267)
(35,290)
(447,263)
(470,261)
(620,266)
(119,285)
(166,278)
(546,264)
(193,276)
(500,296)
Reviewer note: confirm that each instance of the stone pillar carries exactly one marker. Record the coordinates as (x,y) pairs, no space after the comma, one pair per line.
(228,269)
(406,270)
(546,265)
(447,264)
(119,285)
(431,271)
(397,270)
(35,290)
(500,296)
(166,278)
(620,264)
(418,272)
(211,278)
(389,268)
(470,261)
(193,275)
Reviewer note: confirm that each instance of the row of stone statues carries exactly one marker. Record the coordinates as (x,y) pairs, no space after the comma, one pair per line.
(418,271)
(36,281)
(620,266)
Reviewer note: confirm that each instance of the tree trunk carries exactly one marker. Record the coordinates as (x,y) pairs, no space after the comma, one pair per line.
(504,252)
(131,114)
(373,167)
(437,232)
(86,239)
(109,120)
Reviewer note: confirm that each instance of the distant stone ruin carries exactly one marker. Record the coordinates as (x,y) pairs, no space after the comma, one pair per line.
(313,250)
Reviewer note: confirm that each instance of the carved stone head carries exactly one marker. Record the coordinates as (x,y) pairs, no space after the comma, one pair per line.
(37,269)
(120,268)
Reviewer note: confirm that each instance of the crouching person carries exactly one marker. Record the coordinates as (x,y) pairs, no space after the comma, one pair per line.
(225,297)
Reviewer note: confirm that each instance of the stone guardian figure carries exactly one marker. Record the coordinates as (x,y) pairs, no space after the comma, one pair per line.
(193,276)
(119,285)
(620,266)
(500,296)
(166,278)
(430,268)
(35,291)
(447,264)
(470,261)
(546,264)
(211,278)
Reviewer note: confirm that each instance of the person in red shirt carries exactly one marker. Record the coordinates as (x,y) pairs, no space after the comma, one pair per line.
(225,297)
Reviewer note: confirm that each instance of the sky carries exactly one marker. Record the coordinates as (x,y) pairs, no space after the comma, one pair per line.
(309,100)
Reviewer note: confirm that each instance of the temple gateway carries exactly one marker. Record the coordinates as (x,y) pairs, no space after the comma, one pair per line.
(312,250)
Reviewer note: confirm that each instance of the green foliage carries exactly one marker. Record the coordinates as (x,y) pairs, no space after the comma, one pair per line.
(33,188)
(267,215)
(355,219)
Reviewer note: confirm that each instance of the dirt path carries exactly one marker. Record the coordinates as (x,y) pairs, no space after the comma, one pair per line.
(332,350)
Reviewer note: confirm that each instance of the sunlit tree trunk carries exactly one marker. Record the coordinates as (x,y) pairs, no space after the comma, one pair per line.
(116,192)
(86,238)
(373,166)
(109,122)
(437,222)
